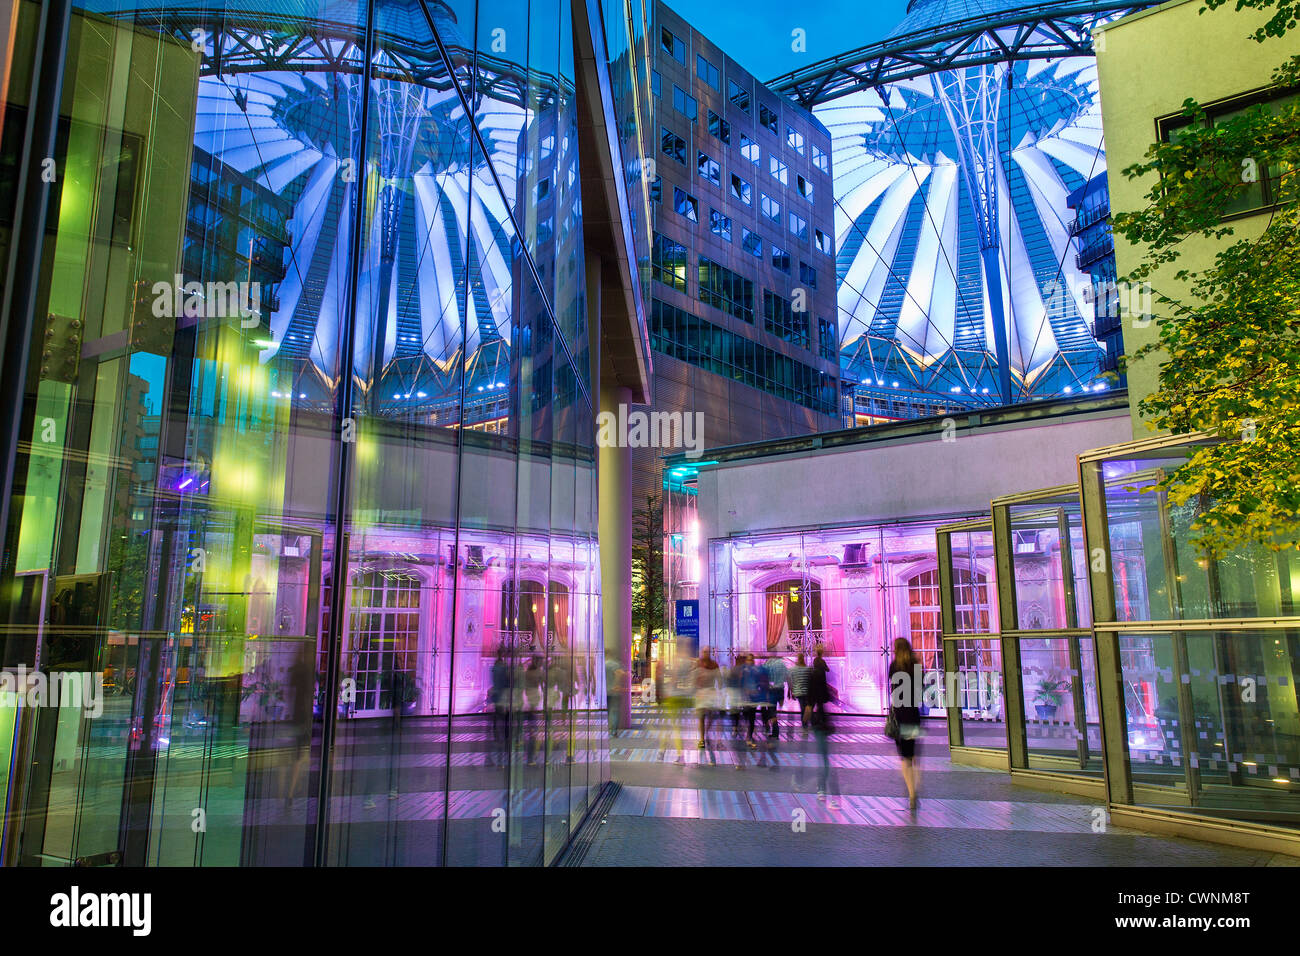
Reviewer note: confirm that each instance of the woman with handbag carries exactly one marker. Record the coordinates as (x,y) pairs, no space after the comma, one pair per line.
(904,721)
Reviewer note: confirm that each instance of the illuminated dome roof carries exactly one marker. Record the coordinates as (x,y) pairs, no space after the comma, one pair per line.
(955,258)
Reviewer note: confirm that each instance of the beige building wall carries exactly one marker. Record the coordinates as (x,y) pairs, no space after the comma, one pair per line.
(1148,64)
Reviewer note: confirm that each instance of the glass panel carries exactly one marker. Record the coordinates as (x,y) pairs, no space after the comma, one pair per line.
(1059,679)
(978,691)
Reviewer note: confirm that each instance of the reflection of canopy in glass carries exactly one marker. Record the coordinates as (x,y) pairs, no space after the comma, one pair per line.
(956,262)
(280,104)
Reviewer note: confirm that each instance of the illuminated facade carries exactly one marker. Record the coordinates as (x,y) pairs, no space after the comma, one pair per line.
(318,487)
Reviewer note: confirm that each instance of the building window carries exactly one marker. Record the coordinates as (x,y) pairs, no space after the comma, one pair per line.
(741,190)
(673,145)
(805,188)
(707,72)
(383,637)
(780,319)
(672,45)
(752,243)
(807,275)
(684,103)
(1250,196)
(685,205)
(668,262)
(923,618)
(738,95)
(771,208)
(767,118)
(780,259)
(779,170)
(709,169)
(799,227)
(543,189)
(654,82)
(824,243)
(719,127)
(794,139)
(657,189)
(689,338)
(749,149)
(725,290)
(827,339)
(820,160)
(719,224)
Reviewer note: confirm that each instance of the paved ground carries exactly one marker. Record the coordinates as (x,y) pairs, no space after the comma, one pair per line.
(729,805)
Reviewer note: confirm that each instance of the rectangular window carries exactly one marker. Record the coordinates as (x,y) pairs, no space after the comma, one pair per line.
(752,243)
(820,160)
(684,103)
(709,169)
(687,337)
(780,319)
(779,170)
(767,118)
(780,259)
(771,208)
(672,45)
(807,275)
(824,243)
(673,145)
(719,127)
(799,227)
(794,139)
(668,263)
(725,290)
(741,190)
(1261,192)
(686,205)
(654,82)
(738,95)
(657,189)
(707,72)
(805,188)
(719,225)
(749,149)
(828,345)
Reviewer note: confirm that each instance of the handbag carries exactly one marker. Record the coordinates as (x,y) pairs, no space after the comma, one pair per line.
(891,726)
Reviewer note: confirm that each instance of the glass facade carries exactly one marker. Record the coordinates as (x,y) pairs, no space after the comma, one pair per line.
(305,467)
(1201,654)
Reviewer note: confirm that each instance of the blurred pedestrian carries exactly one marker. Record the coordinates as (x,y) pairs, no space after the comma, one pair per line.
(800,677)
(904,722)
(819,684)
(707,681)
(777,675)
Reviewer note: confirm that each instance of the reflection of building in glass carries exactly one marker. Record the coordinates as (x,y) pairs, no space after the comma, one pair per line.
(363,521)
(957,141)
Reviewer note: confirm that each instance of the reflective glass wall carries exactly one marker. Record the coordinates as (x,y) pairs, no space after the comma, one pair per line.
(305,473)
(1199,656)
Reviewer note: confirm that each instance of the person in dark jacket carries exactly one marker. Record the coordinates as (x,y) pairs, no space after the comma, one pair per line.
(905,693)
(819,685)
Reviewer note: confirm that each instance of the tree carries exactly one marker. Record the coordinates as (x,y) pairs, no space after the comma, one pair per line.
(1232,347)
(647,571)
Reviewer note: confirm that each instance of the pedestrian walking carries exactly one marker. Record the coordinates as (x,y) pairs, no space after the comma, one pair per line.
(904,721)
(800,677)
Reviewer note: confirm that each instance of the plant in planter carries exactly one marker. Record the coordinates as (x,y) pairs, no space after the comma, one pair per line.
(1051,689)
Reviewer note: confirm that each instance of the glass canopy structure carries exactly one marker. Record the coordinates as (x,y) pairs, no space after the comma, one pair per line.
(957,141)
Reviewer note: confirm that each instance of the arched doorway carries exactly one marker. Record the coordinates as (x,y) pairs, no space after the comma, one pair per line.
(793,617)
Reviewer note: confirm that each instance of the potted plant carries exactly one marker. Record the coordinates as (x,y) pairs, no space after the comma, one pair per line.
(1050,691)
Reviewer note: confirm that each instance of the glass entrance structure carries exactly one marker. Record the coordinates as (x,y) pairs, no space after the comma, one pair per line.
(303,461)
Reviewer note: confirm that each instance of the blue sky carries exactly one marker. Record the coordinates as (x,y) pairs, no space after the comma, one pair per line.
(757,33)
